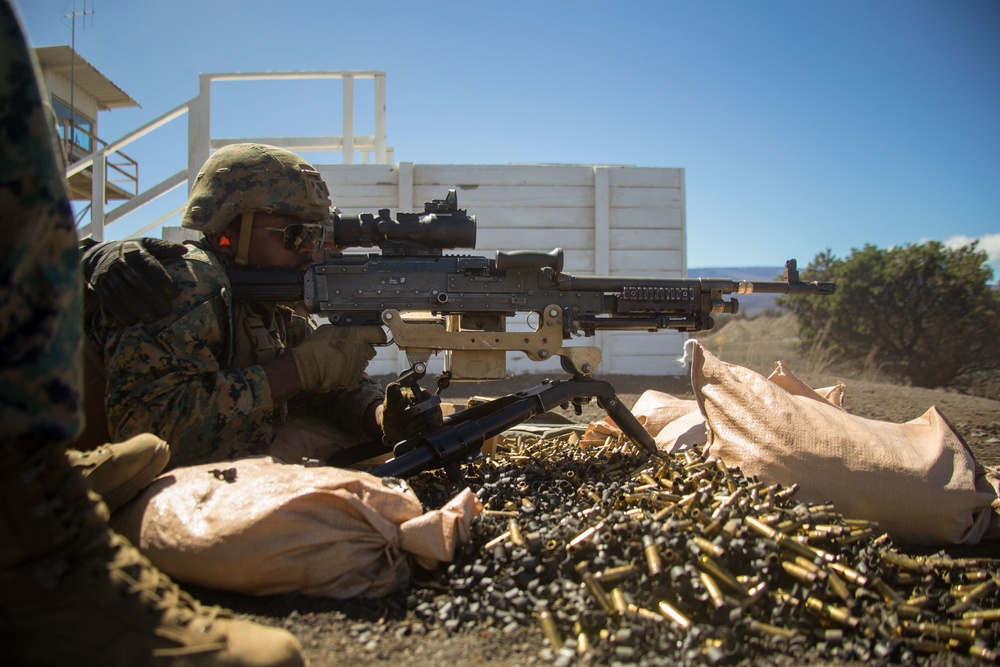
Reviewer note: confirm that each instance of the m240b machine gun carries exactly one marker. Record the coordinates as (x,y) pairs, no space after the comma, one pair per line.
(459,305)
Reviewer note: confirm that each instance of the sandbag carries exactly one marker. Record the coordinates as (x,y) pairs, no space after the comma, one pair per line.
(685,432)
(918,480)
(784,378)
(654,410)
(261,527)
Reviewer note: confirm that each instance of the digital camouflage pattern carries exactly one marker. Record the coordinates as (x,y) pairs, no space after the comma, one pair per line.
(40,285)
(194,378)
(254,177)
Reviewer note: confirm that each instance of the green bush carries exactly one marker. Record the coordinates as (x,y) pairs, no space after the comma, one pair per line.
(926,314)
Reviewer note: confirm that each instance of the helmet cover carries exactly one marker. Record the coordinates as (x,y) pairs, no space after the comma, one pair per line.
(242,178)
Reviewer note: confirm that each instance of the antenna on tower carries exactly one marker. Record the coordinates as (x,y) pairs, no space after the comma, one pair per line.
(72,57)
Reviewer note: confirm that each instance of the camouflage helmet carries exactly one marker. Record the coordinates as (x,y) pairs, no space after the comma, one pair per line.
(242,178)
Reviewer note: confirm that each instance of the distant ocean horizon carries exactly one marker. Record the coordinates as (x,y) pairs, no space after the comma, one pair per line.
(750,305)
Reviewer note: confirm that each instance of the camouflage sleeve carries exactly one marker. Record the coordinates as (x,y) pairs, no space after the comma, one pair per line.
(171,377)
(344,407)
(40,289)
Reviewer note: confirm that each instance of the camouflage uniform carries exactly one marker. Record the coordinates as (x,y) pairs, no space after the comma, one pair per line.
(194,377)
(71,590)
(40,287)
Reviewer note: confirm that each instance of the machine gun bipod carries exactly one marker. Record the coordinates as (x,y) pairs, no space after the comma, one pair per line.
(461,436)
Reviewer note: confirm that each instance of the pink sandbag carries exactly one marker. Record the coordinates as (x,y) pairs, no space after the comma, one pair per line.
(260,527)
(918,480)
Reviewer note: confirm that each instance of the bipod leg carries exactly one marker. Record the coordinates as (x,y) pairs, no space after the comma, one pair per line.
(622,416)
(462,435)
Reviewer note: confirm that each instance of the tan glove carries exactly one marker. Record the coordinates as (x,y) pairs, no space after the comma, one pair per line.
(399,424)
(334,357)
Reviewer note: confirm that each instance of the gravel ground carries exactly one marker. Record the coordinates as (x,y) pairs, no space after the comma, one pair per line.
(394,629)
(409,627)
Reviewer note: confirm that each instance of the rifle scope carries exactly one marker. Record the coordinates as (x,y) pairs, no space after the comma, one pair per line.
(442,226)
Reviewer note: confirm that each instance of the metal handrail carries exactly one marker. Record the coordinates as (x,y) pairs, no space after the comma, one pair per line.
(201,143)
(126,166)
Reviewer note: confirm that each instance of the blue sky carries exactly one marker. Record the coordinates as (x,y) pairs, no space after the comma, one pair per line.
(802,125)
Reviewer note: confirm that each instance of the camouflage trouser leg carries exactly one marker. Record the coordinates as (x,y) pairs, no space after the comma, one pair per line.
(40,299)
(40,288)
(71,591)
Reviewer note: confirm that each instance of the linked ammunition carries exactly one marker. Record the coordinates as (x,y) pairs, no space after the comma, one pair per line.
(799,578)
(618,601)
(940,631)
(550,630)
(653,561)
(766,629)
(800,574)
(585,535)
(595,588)
(977,593)
(708,547)
(983,614)
(615,575)
(673,614)
(710,565)
(641,612)
(836,614)
(714,592)
(515,532)
(905,563)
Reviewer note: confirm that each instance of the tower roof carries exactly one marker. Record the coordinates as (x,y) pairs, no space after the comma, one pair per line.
(61,59)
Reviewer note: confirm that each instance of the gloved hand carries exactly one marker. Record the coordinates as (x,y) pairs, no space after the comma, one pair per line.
(397,423)
(334,357)
(129,279)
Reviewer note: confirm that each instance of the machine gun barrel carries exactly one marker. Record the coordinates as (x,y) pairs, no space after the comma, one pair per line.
(703,285)
(459,304)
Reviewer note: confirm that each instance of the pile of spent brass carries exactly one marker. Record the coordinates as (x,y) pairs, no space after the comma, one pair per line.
(621,558)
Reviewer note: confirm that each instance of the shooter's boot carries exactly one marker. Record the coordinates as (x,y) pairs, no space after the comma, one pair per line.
(72,592)
(118,471)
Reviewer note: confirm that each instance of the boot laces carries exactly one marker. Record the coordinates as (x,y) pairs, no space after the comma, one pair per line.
(159,593)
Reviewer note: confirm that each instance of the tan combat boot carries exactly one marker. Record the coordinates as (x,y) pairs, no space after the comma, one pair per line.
(74,592)
(117,472)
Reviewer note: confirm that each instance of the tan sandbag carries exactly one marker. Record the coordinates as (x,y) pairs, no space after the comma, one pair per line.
(682,433)
(785,379)
(834,395)
(260,527)
(917,480)
(653,409)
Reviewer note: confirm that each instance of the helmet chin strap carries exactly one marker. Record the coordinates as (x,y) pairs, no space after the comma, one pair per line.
(243,251)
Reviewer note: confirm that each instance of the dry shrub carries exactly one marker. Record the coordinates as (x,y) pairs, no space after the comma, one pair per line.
(755,343)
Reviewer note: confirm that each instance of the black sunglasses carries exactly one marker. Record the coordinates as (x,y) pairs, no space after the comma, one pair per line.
(296,234)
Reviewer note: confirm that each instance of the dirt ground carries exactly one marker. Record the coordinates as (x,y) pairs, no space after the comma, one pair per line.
(382,631)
